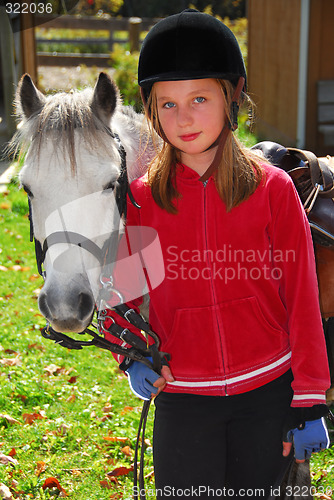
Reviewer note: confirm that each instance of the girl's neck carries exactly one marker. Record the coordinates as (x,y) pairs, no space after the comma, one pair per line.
(200,162)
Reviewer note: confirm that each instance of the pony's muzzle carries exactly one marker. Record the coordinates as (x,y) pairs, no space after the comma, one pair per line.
(68,310)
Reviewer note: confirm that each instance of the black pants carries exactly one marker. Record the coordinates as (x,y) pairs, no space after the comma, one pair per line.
(214,447)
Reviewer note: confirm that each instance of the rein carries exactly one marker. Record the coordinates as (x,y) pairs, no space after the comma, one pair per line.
(139,349)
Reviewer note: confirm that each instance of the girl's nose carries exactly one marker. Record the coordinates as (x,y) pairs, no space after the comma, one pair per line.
(184,116)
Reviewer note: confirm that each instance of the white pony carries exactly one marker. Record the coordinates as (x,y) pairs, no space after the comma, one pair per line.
(74,144)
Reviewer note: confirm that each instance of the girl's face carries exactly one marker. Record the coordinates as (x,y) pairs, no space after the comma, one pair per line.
(192,115)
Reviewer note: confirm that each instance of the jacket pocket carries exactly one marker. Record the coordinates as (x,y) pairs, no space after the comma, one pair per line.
(194,344)
(249,338)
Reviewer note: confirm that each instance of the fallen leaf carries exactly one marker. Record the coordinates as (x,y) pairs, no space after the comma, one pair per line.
(22,397)
(107,408)
(36,292)
(120,471)
(5,493)
(105,417)
(9,419)
(6,459)
(16,268)
(126,409)
(34,277)
(12,452)
(10,361)
(52,482)
(3,268)
(38,347)
(76,472)
(106,484)
(127,451)
(40,467)
(52,369)
(147,443)
(71,399)
(72,380)
(4,206)
(115,439)
(62,430)
(30,418)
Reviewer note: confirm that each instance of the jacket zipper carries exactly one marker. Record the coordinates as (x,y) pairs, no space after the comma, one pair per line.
(209,264)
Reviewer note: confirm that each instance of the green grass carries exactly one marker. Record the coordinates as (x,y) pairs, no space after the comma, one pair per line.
(76,401)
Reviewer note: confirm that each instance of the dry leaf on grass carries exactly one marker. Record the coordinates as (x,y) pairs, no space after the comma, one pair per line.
(126,409)
(106,484)
(52,482)
(115,439)
(9,419)
(40,467)
(10,361)
(120,471)
(5,493)
(30,418)
(127,451)
(107,408)
(53,369)
(7,459)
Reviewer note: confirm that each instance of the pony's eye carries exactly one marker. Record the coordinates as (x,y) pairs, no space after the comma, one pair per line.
(110,185)
(27,190)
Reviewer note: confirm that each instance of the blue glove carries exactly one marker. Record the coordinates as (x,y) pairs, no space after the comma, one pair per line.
(313,437)
(141,380)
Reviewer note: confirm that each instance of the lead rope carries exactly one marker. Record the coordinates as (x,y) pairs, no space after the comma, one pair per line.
(136,320)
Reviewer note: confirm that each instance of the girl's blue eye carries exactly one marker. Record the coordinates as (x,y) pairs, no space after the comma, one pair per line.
(199,100)
(169,105)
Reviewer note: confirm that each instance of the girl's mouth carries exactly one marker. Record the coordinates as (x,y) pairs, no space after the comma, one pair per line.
(189,137)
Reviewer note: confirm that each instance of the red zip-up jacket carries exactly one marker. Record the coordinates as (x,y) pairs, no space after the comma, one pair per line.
(238,305)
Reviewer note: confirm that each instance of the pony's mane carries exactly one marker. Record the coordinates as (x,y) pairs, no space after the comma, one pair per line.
(62,115)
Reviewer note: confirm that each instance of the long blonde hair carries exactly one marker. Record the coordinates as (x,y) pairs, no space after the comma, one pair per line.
(236,178)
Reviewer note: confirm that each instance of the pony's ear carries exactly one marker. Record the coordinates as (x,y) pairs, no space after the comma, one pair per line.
(105,98)
(29,100)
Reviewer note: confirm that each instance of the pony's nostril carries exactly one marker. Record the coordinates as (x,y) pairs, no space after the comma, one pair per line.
(86,305)
(43,305)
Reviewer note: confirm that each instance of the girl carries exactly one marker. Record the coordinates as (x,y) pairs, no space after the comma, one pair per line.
(238,307)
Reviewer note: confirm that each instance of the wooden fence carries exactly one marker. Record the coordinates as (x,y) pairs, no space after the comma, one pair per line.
(134,26)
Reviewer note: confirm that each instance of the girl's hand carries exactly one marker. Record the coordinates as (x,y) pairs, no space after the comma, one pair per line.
(307,439)
(166,376)
(145,382)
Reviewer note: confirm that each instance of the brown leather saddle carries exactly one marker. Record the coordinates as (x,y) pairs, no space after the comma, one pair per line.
(314,180)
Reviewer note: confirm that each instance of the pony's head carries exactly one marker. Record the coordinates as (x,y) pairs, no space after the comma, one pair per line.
(73,162)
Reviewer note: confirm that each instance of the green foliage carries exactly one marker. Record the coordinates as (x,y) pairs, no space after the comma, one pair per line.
(48,40)
(162,8)
(85,7)
(125,76)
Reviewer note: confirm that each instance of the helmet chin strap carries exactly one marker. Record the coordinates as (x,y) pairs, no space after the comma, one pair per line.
(221,139)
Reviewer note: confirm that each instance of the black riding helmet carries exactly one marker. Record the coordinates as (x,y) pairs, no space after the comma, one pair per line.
(187,46)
